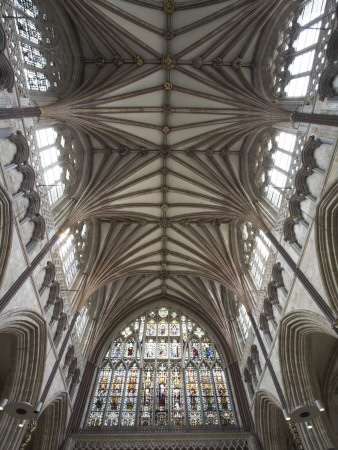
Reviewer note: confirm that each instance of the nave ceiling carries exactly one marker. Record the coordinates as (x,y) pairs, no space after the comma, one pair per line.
(167,100)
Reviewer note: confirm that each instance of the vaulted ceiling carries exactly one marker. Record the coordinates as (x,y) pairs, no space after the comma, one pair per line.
(167,101)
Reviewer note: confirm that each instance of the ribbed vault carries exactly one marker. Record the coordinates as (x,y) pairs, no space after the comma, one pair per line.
(166,101)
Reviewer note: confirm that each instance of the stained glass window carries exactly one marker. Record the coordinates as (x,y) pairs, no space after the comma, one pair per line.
(161,370)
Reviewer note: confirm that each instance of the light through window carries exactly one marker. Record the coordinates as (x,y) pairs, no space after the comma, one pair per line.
(161,370)
(49,155)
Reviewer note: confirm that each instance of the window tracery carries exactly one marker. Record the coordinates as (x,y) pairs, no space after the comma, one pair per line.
(72,250)
(161,370)
(293,63)
(256,250)
(44,62)
(59,152)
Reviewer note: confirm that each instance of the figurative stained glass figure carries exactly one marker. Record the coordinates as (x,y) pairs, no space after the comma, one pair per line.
(207,352)
(177,398)
(193,402)
(150,349)
(130,349)
(175,350)
(174,329)
(115,399)
(224,401)
(163,329)
(208,399)
(117,349)
(163,350)
(194,353)
(147,398)
(103,385)
(151,329)
(161,395)
(99,403)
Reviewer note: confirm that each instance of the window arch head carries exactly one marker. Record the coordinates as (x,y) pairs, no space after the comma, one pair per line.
(162,369)
(45,43)
(60,154)
(298,52)
(273,159)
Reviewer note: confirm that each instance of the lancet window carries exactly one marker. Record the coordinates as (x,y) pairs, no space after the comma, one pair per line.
(161,370)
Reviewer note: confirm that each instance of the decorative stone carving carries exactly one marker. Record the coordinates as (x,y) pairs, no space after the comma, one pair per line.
(169,6)
(168,62)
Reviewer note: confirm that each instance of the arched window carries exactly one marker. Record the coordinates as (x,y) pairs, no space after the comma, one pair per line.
(244,321)
(274,160)
(50,161)
(282,149)
(43,64)
(60,153)
(297,44)
(161,370)
(72,247)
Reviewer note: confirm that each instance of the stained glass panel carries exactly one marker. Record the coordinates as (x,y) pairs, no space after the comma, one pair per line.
(223,397)
(177,397)
(175,349)
(130,349)
(161,412)
(150,349)
(194,349)
(116,351)
(28,30)
(32,56)
(174,328)
(115,397)
(162,329)
(147,395)
(193,397)
(208,398)
(162,398)
(130,398)
(162,349)
(100,397)
(208,351)
(151,328)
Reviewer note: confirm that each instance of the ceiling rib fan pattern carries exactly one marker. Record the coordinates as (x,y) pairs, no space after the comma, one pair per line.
(169,107)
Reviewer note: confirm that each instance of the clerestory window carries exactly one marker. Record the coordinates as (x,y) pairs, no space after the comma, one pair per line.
(37,35)
(161,370)
(282,148)
(298,56)
(50,161)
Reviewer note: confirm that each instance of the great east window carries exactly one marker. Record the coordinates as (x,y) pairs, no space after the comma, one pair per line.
(162,369)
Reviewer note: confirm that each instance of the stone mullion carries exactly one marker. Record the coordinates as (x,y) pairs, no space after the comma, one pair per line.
(138,400)
(124,392)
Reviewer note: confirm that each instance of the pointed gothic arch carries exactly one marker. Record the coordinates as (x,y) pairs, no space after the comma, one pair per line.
(326,243)
(302,337)
(6,227)
(51,425)
(24,374)
(270,422)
